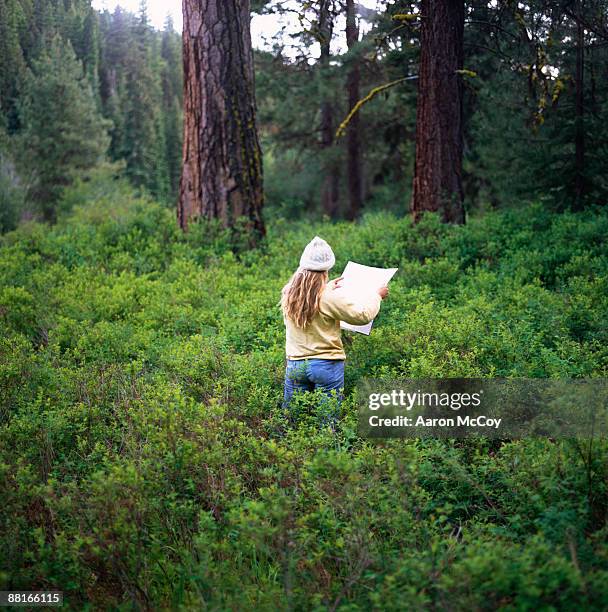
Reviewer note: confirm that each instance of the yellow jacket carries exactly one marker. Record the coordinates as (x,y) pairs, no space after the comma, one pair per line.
(320,339)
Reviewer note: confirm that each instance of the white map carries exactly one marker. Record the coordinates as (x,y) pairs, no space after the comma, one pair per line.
(363,279)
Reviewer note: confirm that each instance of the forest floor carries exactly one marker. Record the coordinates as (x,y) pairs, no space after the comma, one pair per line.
(140,389)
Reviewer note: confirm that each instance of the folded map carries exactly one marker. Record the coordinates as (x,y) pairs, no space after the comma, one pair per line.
(363,279)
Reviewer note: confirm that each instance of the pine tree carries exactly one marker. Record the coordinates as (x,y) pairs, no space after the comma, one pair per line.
(353,79)
(63,132)
(330,191)
(11,193)
(143,137)
(222,170)
(172,87)
(437,184)
(12,63)
(115,48)
(90,51)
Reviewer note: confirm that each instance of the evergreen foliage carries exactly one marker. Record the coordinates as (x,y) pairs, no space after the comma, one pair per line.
(62,132)
(134,75)
(520,119)
(520,127)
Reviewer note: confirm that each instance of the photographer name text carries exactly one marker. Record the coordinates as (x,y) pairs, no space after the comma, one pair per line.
(459,421)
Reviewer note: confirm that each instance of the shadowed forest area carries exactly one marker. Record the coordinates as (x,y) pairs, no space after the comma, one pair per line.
(533,91)
(156,192)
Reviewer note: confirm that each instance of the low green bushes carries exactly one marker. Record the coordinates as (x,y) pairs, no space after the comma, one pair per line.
(144,459)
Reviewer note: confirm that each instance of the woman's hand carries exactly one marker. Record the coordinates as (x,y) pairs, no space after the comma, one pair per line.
(336,283)
(383,292)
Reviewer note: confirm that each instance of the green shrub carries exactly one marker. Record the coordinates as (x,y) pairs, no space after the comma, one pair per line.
(145,459)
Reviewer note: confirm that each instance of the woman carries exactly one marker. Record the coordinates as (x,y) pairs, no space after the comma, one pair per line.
(312,310)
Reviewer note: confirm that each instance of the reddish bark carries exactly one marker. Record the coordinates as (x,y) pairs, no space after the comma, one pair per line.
(438,168)
(579,135)
(222,160)
(353,143)
(330,192)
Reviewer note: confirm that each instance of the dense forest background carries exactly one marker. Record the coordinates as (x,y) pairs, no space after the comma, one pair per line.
(80,86)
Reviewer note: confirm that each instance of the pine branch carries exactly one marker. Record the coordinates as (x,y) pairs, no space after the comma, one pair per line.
(370,96)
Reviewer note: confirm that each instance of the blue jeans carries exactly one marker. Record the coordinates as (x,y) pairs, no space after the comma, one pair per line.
(310,374)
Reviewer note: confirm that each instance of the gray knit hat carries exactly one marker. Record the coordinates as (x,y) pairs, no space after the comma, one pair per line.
(317,256)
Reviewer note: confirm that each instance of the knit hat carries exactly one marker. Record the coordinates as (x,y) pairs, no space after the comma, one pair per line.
(317,256)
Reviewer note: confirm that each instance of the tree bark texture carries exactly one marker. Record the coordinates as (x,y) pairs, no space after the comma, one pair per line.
(579,120)
(437,182)
(222,160)
(353,133)
(330,189)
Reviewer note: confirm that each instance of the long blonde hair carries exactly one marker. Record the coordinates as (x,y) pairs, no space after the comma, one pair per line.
(301,296)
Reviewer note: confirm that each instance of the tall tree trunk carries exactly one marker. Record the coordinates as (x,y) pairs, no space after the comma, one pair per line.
(353,140)
(222,161)
(438,168)
(331,180)
(579,126)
